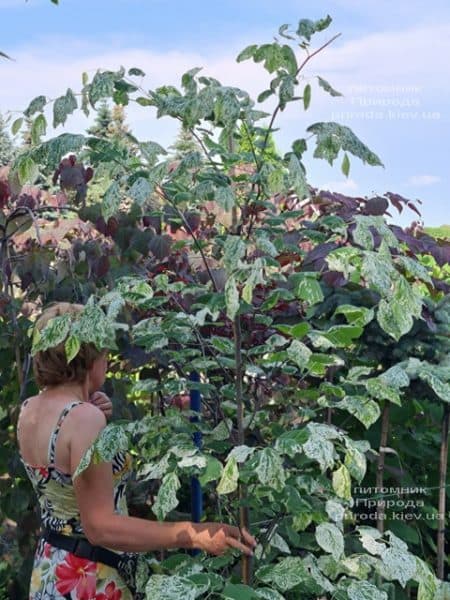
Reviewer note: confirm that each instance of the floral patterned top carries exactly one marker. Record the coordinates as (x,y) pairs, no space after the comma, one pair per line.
(58,574)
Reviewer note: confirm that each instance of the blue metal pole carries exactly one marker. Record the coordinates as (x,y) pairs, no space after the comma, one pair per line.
(196,490)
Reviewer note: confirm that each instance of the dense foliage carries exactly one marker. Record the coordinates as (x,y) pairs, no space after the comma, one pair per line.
(316,333)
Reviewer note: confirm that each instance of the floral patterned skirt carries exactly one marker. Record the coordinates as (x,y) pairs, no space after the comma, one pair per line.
(58,575)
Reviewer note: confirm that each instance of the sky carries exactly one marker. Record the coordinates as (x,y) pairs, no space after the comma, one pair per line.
(391,62)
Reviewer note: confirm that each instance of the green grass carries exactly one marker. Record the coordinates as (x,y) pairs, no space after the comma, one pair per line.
(439,232)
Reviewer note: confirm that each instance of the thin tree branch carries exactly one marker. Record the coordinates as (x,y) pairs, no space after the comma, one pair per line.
(442,493)
(191,233)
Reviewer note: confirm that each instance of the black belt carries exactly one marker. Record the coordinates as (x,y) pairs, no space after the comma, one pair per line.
(81,547)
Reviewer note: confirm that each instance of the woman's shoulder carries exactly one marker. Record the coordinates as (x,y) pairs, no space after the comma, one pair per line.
(88,416)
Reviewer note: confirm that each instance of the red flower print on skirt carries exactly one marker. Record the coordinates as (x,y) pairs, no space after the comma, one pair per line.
(110,593)
(76,574)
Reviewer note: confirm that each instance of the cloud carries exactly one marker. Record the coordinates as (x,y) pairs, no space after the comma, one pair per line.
(422,180)
(376,71)
(55,66)
(343,186)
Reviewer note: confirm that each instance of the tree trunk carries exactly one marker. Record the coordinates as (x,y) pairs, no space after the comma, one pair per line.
(246,566)
(380,466)
(442,490)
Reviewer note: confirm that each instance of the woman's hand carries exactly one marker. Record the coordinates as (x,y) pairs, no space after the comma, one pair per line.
(217,538)
(101,401)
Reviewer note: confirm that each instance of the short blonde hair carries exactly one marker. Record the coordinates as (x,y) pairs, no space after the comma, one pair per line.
(50,366)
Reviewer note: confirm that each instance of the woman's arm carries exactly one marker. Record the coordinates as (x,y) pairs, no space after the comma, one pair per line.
(104,527)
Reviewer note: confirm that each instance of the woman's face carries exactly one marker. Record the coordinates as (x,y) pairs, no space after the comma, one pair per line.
(97,372)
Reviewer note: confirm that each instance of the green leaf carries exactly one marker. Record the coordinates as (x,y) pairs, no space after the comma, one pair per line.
(268,594)
(296,331)
(342,335)
(356,462)
(335,511)
(319,448)
(49,153)
(72,347)
(379,389)
(143,101)
(141,190)
(17,124)
(166,500)
(238,591)
(27,170)
(435,377)
(330,539)
(288,573)
(414,268)
(135,291)
(231,298)
(111,440)
(308,289)
(297,177)
(269,469)
(62,107)
(53,334)
(398,564)
(247,53)
(318,363)
(327,87)
(428,582)
(227,108)
(264,95)
(134,71)
(36,105)
(342,483)
(362,234)
(272,56)
(364,409)
(291,442)
(378,271)
(345,165)
(332,137)
(289,60)
(368,537)
(299,147)
(286,90)
(307,96)
(225,198)
(38,128)
(150,151)
(212,472)
(230,476)
(363,590)
(154,470)
(307,28)
(396,316)
(171,587)
(299,353)
(395,377)
(240,453)
(355,315)
(102,86)
(111,200)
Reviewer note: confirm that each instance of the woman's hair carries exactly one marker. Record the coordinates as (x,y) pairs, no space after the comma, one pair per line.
(50,366)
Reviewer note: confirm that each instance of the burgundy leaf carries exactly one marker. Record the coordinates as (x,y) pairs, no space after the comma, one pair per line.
(334,279)
(376,206)
(315,260)
(102,266)
(160,246)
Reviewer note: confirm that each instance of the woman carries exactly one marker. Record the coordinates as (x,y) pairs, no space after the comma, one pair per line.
(55,429)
